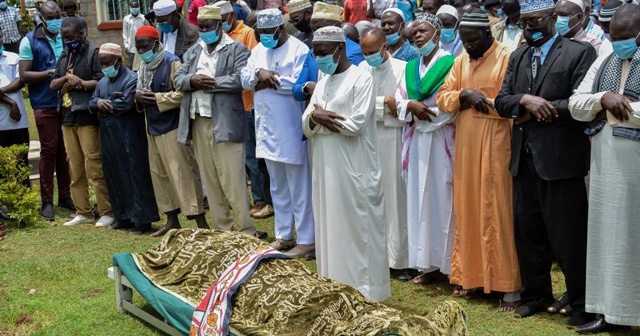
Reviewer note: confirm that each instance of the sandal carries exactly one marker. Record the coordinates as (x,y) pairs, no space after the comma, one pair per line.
(420,280)
(506,307)
(458,291)
(555,307)
(566,310)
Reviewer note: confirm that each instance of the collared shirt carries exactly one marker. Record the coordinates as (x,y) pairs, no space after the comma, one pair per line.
(207,63)
(9,19)
(595,30)
(512,36)
(8,73)
(582,36)
(26,54)
(170,40)
(546,47)
(130,26)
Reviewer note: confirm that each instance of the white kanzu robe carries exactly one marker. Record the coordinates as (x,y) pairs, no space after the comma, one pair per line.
(351,237)
(387,79)
(430,218)
(612,286)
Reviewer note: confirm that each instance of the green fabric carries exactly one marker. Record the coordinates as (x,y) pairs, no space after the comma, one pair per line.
(423,88)
(282,297)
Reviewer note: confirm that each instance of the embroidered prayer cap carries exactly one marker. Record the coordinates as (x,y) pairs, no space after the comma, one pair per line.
(164,7)
(394,10)
(148,31)
(578,3)
(530,6)
(210,12)
(475,20)
(298,5)
(329,34)
(430,19)
(322,10)
(448,9)
(111,49)
(225,7)
(270,18)
(607,10)
(362,25)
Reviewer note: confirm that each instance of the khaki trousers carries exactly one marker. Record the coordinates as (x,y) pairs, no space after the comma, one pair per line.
(83,151)
(222,167)
(175,175)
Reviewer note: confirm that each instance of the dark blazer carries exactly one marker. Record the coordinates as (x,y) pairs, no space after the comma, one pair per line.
(560,148)
(188,35)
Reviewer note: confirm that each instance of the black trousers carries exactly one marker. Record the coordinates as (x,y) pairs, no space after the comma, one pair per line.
(17,137)
(550,223)
(13,47)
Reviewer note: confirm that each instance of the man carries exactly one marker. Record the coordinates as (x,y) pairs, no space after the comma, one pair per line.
(427,160)
(408,8)
(605,15)
(70,8)
(360,27)
(10,20)
(407,32)
(549,155)
(375,9)
(348,207)
(449,37)
(493,8)
(39,52)
(355,10)
(272,70)
(507,30)
(323,16)
(174,171)
(432,6)
(392,26)
(484,252)
(241,11)
(266,4)
(388,76)
(150,17)
(570,14)
(176,34)
(77,74)
(300,16)
(262,203)
(192,17)
(210,81)
(130,25)
(590,26)
(351,31)
(123,144)
(605,95)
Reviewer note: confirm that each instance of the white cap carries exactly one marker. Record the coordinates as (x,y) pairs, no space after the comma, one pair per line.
(164,7)
(448,9)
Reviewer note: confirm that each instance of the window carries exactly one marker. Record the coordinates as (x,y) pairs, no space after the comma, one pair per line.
(116,10)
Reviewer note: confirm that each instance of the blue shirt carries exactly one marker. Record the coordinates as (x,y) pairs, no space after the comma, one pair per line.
(310,68)
(544,49)
(27,55)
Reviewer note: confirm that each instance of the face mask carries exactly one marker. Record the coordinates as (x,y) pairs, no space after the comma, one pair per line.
(268,40)
(625,49)
(393,38)
(166,27)
(135,11)
(3,5)
(562,25)
(326,64)
(499,12)
(210,37)
(53,26)
(303,26)
(535,37)
(447,35)
(73,45)
(375,59)
(483,9)
(427,48)
(226,26)
(111,71)
(148,55)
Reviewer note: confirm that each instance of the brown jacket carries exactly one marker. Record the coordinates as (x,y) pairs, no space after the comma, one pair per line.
(188,35)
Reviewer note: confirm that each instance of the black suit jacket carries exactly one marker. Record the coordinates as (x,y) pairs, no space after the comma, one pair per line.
(560,148)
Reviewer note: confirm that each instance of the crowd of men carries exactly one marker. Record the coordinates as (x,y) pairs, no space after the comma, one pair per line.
(469,144)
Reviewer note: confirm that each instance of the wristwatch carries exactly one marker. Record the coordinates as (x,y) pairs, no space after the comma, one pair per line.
(257,71)
(52,73)
(304,88)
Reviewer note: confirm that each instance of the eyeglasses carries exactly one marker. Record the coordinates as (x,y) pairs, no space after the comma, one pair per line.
(296,20)
(536,23)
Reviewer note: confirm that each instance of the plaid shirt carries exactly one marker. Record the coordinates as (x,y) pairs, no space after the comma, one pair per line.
(9,19)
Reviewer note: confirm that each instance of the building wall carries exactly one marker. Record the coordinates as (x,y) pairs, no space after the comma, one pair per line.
(98,37)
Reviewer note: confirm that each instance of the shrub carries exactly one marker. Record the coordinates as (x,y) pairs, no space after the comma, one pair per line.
(21,201)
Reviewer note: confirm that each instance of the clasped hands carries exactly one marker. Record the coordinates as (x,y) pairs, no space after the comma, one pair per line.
(267,79)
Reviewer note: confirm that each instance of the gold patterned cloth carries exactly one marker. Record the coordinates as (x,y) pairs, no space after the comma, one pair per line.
(282,297)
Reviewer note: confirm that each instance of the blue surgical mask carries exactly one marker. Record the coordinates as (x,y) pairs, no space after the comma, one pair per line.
(375,59)
(111,71)
(427,48)
(268,40)
(562,25)
(148,56)
(326,64)
(3,5)
(166,27)
(483,9)
(499,12)
(73,45)
(447,35)
(135,11)
(53,26)
(625,49)
(210,37)
(393,38)
(226,26)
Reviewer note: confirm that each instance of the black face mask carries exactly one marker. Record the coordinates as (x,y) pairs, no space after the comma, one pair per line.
(537,37)
(487,41)
(303,26)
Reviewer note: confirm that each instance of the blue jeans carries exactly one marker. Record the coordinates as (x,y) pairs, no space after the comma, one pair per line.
(259,191)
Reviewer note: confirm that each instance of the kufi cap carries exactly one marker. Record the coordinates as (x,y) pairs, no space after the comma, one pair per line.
(475,20)
(607,10)
(148,31)
(578,3)
(209,13)
(225,7)
(322,10)
(394,10)
(298,5)
(491,3)
(362,25)
(111,49)
(448,9)
(430,19)
(530,6)
(270,18)
(329,34)
(164,7)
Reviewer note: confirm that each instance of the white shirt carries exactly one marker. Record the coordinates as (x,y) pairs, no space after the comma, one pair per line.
(511,36)
(207,63)
(8,73)
(170,41)
(130,26)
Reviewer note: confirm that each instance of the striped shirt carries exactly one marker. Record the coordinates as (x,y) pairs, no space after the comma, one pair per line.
(9,19)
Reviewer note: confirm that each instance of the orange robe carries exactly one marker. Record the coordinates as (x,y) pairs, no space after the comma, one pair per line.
(484,252)
(245,35)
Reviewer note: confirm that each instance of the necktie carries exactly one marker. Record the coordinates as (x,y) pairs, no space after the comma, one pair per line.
(535,64)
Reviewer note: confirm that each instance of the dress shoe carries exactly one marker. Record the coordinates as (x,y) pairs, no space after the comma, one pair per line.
(266,212)
(120,225)
(283,245)
(599,325)
(531,308)
(67,203)
(47,211)
(579,318)
(140,229)
(407,274)
(301,250)
(257,207)
(559,304)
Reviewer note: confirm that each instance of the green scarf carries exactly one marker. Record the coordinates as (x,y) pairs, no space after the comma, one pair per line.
(423,88)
